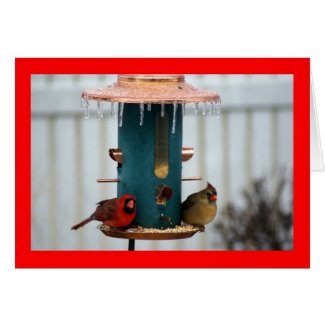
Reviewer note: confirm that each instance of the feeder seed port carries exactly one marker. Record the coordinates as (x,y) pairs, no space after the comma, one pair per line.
(116,154)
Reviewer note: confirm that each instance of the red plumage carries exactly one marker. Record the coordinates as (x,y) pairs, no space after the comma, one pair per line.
(115,213)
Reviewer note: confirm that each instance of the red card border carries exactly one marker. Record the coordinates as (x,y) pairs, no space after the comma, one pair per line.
(299,257)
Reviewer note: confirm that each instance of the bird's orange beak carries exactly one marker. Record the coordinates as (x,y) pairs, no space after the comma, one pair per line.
(213,198)
(130,204)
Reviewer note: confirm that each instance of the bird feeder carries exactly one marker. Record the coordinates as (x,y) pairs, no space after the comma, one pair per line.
(149,110)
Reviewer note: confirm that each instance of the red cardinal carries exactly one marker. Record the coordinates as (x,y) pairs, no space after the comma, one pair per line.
(115,213)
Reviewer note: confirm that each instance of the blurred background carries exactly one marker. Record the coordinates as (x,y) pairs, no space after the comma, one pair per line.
(247,154)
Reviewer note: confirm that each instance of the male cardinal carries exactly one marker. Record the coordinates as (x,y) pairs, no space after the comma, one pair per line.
(200,208)
(115,213)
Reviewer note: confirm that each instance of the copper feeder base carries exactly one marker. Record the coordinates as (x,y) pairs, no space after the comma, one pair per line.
(180,232)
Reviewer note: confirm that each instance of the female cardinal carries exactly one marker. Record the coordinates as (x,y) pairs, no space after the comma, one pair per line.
(115,213)
(200,208)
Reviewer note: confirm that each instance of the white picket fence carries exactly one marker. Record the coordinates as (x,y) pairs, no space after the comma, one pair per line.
(253,137)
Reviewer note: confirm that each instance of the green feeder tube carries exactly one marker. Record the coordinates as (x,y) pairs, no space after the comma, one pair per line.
(151,143)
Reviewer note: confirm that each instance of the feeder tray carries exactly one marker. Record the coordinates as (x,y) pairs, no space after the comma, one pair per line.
(154,89)
(140,233)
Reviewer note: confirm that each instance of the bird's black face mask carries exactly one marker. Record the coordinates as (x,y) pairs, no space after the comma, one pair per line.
(212,196)
(129,205)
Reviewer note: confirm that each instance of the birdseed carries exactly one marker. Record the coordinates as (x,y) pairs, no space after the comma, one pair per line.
(138,229)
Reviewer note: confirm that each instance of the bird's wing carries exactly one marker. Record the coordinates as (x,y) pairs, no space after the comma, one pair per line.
(102,202)
(188,203)
(107,209)
(110,208)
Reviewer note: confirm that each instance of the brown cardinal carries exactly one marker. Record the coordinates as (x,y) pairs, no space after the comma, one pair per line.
(200,208)
(115,213)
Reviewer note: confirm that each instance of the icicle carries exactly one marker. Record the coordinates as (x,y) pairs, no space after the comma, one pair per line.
(116,106)
(162,113)
(112,108)
(100,111)
(86,108)
(82,103)
(213,107)
(196,106)
(183,108)
(174,118)
(204,108)
(120,122)
(218,108)
(141,113)
(149,107)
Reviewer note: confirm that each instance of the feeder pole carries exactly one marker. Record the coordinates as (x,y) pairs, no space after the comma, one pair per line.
(131,244)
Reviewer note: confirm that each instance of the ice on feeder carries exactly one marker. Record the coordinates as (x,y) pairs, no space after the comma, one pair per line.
(120,122)
(115,110)
(174,118)
(162,110)
(218,109)
(183,108)
(211,109)
(204,109)
(196,107)
(112,108)
(100,110)
(141,113)
(86,109)
(82,103)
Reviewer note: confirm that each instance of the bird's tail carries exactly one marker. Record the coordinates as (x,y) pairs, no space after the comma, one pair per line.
(82,223)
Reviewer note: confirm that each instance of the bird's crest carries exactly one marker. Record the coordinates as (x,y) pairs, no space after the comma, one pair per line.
(211,187)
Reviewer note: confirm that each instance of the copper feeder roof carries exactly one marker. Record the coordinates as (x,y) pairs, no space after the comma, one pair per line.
(151,88)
